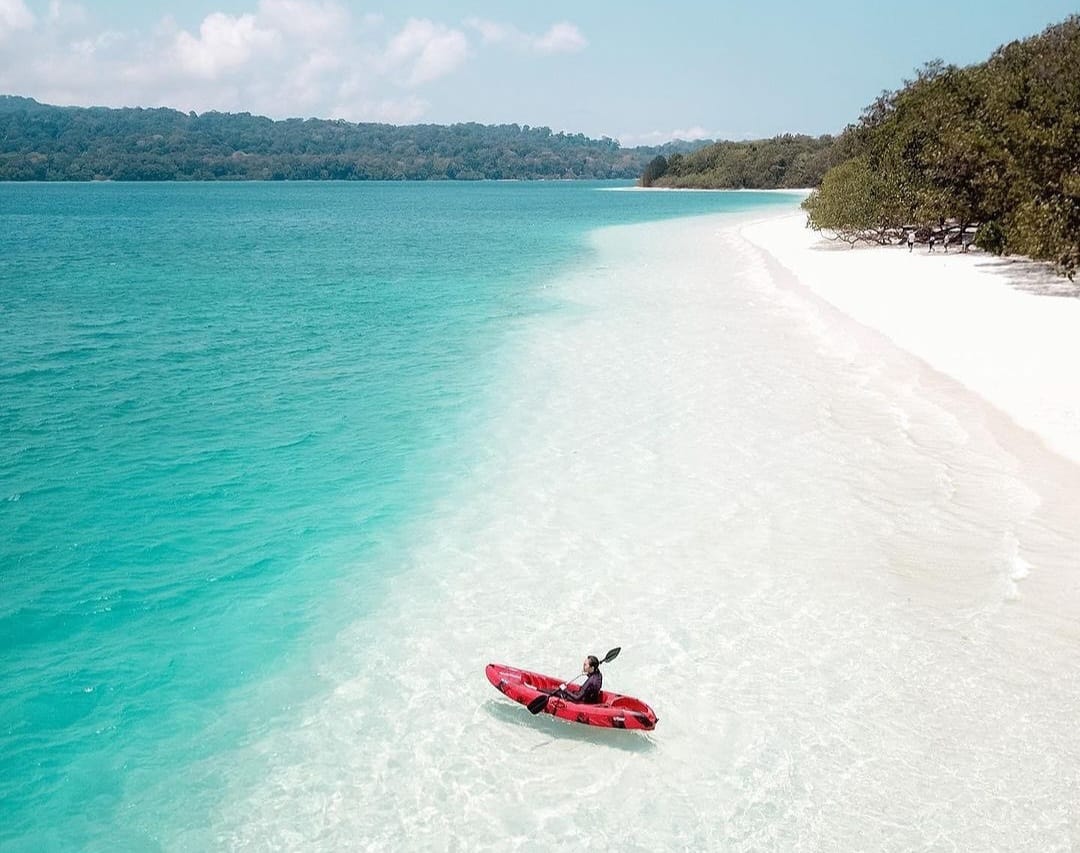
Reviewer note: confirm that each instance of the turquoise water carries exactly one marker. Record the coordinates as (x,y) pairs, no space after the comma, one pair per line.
(220,404)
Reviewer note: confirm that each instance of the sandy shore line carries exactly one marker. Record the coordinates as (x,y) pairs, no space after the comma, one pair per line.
(801,192)
(809,560)
(1007,329)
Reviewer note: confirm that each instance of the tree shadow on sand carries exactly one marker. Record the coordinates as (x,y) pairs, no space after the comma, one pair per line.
(556,729)
(1031,276)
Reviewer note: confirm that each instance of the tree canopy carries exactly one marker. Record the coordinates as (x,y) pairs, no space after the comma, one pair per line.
(993,146)
(786,161)
(47,143)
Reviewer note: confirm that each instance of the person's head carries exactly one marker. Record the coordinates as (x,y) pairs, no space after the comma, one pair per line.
(590,664)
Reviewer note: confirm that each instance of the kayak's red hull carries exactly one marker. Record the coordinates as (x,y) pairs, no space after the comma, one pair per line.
(613,712)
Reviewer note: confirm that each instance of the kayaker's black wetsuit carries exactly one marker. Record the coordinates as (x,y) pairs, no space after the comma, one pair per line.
(588,693)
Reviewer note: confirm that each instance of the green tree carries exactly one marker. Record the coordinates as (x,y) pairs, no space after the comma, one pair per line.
(42,142)
(993,145)
(850,203)
(655,169)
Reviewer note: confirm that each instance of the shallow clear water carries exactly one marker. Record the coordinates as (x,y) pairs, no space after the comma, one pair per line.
(847,587)
(230,414)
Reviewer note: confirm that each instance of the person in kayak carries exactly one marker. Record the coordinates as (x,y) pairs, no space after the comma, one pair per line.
(589,692)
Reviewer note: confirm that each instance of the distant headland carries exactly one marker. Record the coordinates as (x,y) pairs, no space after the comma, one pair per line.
(40,142)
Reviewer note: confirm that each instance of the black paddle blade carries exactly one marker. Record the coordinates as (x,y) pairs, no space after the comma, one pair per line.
(610,656)
(538,704)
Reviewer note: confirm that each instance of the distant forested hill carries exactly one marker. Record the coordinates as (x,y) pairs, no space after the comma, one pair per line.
(993,147)
(45,143)
(786,161)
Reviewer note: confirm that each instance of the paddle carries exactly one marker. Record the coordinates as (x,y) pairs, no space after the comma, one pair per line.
(540,702)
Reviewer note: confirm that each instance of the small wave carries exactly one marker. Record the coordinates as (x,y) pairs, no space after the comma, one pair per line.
(296,442)
(1018,568)
(1021,569)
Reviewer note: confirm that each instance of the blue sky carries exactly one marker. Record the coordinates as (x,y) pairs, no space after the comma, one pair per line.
(640,72)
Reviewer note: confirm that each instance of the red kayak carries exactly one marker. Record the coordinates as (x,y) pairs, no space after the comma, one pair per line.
(613,712)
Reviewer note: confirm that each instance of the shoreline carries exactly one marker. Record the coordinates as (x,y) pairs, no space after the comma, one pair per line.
(800,191)
(1003,328)
(800,546)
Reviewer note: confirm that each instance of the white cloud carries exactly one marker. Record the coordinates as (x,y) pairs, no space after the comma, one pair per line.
(426,50)
(96,44)
(224,42)
(273,57)
(492,32)
(689,134)
(563,37)
(70,14)
(310,21)
(14,16)
(408,110)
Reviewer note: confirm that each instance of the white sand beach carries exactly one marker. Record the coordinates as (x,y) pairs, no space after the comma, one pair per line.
(846,583)
(993,324)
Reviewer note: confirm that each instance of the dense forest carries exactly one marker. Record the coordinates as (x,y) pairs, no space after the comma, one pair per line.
(39,142)
(781,162)
(988,151)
